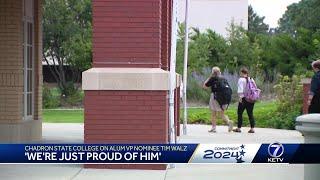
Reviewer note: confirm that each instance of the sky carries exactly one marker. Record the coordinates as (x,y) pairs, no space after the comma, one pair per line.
(271,9)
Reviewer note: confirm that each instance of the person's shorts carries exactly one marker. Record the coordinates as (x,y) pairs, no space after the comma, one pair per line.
(214,105)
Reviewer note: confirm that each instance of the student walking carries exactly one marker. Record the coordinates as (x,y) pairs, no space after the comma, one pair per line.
(314,95)
(248,94)
(220,98)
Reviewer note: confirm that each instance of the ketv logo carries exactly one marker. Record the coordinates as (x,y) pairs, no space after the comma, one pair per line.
(275,150)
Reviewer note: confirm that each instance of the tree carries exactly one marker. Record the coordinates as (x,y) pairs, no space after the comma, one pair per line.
(255,23)
(67,36)
(217,48)
(289,54)
(198,55)
(316,44)
(305,14)
(240,51)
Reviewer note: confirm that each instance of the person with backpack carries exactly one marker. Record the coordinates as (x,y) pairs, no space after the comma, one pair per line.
(314,95)
(248,95)
(220,98)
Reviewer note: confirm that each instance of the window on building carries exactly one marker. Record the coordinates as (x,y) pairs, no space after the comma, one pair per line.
(28,59)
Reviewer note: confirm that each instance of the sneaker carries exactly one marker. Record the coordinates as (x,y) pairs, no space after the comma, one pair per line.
(213,130)
(230,126)
(251,131)
(238,130)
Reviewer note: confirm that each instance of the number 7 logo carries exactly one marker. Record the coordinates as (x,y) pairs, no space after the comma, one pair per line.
(275,150)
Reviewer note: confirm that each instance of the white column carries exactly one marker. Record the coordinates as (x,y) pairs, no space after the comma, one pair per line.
(309,126)
(173,75)
(185,68)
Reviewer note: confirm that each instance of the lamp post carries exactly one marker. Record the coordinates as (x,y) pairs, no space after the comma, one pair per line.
(185,68)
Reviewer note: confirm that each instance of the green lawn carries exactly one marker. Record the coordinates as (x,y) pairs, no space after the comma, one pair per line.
(263,112)
(63,116)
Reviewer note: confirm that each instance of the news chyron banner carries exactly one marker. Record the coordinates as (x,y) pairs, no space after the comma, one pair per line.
(159,153)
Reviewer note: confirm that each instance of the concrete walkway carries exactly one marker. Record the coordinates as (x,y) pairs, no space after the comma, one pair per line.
(73,133)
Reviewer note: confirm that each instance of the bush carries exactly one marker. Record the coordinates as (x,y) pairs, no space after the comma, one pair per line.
(53,98)
(289,102)
(70,89)
(282,120)
(71,96)
(75,99)
(49,98)
(195,92)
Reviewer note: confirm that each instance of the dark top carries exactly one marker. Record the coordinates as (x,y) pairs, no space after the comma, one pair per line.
(213,84)
(315,84)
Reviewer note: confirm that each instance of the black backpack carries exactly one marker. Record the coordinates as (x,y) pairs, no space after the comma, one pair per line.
(222,91)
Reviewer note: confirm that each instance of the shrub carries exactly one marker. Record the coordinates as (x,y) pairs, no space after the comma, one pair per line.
(289,102)
(53,98)
(75,99)
(70,89)
(282,120)
(195,92)
(71,96)
(49,99)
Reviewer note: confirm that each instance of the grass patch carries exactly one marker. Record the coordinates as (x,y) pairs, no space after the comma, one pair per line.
(263,112)
(62,116)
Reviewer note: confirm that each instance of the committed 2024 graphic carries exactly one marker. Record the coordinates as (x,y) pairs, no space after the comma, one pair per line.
(159,153)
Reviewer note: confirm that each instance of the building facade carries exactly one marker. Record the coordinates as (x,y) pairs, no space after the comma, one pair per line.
(20,70)
(215,14)
(127,90)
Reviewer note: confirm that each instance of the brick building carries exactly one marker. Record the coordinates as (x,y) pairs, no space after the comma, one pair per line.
(126,91)
(20,70)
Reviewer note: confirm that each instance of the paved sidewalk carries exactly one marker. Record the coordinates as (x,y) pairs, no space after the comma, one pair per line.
(73,133)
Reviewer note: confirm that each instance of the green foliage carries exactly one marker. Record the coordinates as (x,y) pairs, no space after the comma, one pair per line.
(240,51)
(265,55)
(279,114)
(211,49)
(217,48)
(282,120)
(255,23)
(49,98)
(70,89)
(289,104)
(262,112)
(63,116)
(289,92)
(198,56)
(316,44)
(74,98)
(286,54)
(53,98)
(305,14)
(195,115)
(67,33)
(196,93)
